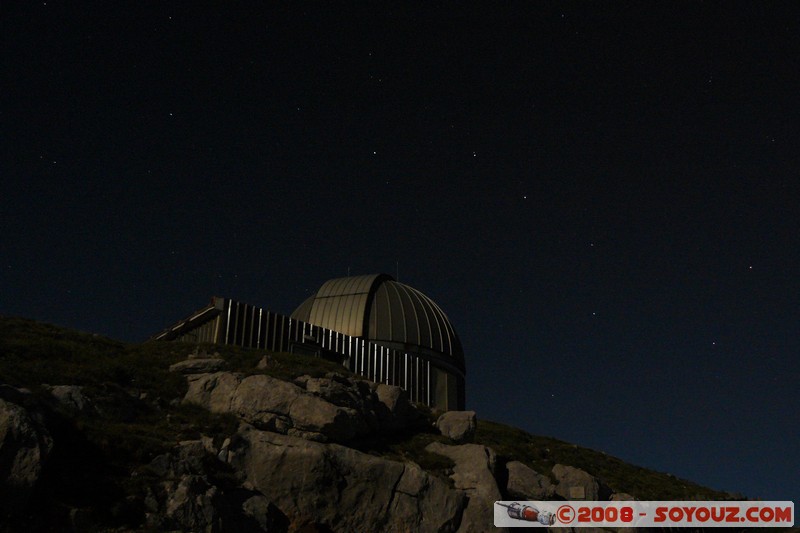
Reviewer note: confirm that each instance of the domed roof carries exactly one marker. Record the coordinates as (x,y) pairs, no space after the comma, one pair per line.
(378,308)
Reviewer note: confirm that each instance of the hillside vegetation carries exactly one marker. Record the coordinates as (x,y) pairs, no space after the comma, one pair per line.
(99,461)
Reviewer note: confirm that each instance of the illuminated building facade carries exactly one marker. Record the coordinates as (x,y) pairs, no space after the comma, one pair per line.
(375,326)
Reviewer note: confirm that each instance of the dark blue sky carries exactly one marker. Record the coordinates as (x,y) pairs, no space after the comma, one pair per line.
(602,196)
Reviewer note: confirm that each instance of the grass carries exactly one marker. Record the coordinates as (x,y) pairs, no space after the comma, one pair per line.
(137,412)
(137,398)
(542,453)
(138,415)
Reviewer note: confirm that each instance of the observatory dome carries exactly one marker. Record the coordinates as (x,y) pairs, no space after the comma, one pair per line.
(383,311)
(377,308)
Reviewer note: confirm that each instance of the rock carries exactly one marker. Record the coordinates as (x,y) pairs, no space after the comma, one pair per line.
(275,405)
(201,353)
(458,425)
(80,519)
(339,424)
(301,381)
(419,492)
(71,397)
(621,497)
(13,394)
(193,448)
(264,363)
(258,399)
(24,447)
(187,458)
(395,412)
(474,473)
(341,489)
(524,483)
(222,455)
(208,444)
(338,391)
(575,484)
(190,505)
(307,435)
(264,513)
(212,391)
(198,366)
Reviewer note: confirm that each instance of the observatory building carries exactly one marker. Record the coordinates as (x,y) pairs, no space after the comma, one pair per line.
(377,327)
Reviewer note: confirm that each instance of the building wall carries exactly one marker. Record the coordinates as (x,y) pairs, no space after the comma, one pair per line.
(227,321)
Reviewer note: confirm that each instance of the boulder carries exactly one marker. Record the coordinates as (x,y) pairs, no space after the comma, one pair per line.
(474,473)
(339,424)
(212,391)
(524,483)
(458,425)
(202,353)
(266,516)
(275,405)
(336,389)
(71,397)
(383,407)
(190,505)
(575,484)
(24,447)
(13,394)
(395,412)
(341,489)
(417,492)
(198,366)
(259,399)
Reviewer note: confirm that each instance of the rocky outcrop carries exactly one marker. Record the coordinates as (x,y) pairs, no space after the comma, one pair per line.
(458,425)
(524,483)
(116,450)
(576,484)
(190,497)
(191,504)
(24,446)
(286,483)
(473,473)
(341,488)
(329,409)
(394,411)
(198,366)
(212,391)
(71,398)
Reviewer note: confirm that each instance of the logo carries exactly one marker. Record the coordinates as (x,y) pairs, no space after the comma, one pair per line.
(528,513)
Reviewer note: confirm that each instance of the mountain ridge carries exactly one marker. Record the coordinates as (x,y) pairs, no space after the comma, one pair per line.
(154,436)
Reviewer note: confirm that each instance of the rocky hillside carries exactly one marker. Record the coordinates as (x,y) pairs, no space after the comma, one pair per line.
(99,435)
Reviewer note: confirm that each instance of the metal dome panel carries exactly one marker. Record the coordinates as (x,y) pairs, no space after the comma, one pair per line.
(341,304)
(402,314)
(378,308)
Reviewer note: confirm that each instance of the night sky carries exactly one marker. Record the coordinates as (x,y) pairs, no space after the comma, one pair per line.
(603,197)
